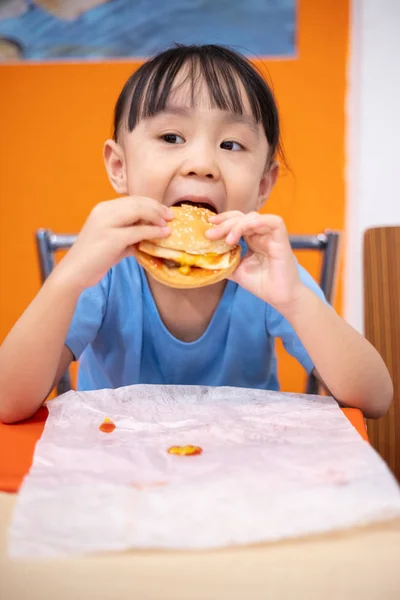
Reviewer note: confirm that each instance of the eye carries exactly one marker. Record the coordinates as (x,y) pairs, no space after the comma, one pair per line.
(230,145)
(173,138)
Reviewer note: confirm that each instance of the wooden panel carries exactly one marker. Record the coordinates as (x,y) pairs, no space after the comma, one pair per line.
(382,329)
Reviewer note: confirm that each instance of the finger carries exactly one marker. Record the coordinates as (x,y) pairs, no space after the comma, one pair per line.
(246,227)
(222,230)
(231,224)
(134,235)
(260,224)
(246,266)
(146,209)
(230,219)
(217,219)
(126,211)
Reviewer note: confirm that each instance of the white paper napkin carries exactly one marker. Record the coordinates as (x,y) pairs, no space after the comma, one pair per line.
(272,466)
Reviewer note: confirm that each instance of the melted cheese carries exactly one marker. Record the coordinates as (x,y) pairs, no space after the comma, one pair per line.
(184,269)
(209,261)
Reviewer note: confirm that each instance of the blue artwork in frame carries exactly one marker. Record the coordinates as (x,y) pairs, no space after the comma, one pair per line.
(42,30)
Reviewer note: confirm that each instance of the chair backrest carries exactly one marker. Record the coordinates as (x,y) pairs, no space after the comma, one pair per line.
(327,244)
(382,329)
(48,243)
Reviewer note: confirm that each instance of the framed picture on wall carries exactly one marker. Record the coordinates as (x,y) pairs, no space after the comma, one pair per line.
(43,30)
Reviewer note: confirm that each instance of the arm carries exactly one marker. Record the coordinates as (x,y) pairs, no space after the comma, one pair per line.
(33,356)
(348,365)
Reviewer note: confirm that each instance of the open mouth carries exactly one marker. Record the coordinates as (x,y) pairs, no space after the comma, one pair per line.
(199,204)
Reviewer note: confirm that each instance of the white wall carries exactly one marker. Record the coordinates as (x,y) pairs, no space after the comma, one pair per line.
(373,135)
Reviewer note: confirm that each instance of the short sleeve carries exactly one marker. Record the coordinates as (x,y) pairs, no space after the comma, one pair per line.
(278,326)
(88,317)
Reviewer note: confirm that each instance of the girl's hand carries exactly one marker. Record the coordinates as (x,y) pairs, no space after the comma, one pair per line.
(108,234)
(269,269)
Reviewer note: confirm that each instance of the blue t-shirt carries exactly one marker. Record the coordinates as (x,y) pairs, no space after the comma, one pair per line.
(121,340)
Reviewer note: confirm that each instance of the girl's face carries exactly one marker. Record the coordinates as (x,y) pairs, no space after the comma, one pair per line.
(198,153)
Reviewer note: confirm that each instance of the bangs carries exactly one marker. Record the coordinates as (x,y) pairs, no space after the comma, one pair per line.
(224,73)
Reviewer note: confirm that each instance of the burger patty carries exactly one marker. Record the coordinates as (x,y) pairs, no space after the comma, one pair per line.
(177,258)
(171,264)
(183,269)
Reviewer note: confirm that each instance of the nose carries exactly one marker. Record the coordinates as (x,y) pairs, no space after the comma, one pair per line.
(201,162)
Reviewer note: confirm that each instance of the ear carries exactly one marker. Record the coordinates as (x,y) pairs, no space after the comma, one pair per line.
(267,183)
(114,159)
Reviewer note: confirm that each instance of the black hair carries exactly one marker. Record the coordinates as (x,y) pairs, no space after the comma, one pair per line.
(223,70)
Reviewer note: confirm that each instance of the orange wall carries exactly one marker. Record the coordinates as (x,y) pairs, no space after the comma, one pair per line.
(55,117)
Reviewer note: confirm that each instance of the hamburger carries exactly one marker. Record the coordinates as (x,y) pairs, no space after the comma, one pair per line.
(187,258)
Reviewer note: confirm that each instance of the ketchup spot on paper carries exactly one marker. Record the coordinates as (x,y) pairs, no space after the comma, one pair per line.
(185,450)
(107,426)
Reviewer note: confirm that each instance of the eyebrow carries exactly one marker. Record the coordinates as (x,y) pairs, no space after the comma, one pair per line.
(229,118)
(234,118)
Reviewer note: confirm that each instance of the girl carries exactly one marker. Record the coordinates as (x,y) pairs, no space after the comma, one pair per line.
(195,123)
